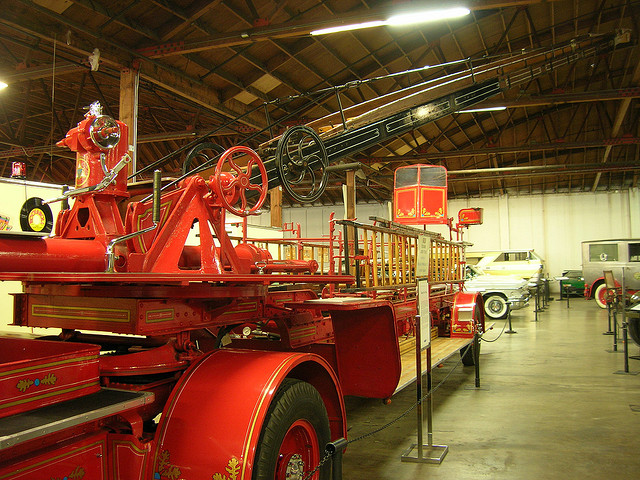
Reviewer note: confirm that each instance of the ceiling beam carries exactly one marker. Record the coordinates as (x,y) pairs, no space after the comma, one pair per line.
(555,146)
(163,76)
(617,123)
(299,28)
(41,71)
(562,98)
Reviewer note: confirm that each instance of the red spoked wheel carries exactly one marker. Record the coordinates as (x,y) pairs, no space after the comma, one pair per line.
(237,182)
(293,437)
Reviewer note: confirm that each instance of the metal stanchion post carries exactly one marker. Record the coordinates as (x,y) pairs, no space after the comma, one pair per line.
(511,330)
(625,337)
(609,331)
(563,288)
(476,357)
(625,346)
(615,330)
(335,450)
(429,453)
(537,300)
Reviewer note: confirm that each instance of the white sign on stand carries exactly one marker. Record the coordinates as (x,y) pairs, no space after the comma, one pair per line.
(422,260)
(423,311)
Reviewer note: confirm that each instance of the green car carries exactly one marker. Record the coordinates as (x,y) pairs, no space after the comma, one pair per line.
(574,285)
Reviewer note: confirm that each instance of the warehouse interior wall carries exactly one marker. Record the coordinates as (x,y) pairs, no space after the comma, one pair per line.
(553,225)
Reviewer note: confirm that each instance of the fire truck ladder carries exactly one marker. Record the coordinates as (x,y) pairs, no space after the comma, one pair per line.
(298,159)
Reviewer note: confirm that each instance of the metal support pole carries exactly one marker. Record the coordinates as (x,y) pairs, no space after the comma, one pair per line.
(344,120)
(609,331)
(535,310)
(615,330)
(511,330)
(429,453)
(625,346)
(476,357)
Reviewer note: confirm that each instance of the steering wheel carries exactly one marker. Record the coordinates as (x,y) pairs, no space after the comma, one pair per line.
(233,184)
(301,158)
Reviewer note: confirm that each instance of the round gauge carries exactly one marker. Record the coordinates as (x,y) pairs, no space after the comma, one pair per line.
(104,132)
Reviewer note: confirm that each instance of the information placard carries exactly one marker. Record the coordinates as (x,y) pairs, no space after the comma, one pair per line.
(423,311)
(422,262)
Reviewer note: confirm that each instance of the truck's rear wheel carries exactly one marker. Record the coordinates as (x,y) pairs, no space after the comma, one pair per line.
(294,435)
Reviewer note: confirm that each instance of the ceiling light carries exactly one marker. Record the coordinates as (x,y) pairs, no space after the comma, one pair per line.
(400,19)
(344,28)
(427,16)
(488,109)
(3,85)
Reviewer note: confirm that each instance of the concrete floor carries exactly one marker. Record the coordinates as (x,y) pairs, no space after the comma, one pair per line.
(550,407)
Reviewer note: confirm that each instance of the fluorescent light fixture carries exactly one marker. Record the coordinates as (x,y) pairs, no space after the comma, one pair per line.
(401,19)
(488,109)
(344,28)
(427,16)
(3,85)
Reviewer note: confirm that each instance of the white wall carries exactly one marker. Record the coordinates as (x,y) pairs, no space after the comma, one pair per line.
(13,194)
(552,225)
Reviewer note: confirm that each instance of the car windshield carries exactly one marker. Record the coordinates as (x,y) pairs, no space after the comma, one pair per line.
(472,272)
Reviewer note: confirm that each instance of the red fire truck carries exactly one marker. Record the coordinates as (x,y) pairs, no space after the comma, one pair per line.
(201,361)
(214,360)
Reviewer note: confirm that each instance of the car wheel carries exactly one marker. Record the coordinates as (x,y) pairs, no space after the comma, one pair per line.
(495,306)
(601,295)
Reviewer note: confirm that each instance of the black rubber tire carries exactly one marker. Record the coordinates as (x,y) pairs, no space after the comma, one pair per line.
(597,295)
(293,401)
(495,306)
(468,355)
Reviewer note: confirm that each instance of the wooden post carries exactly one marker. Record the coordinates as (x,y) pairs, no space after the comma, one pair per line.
(275,195)
(129,79)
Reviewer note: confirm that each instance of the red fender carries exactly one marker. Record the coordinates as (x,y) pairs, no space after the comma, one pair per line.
(588,288)
(468,314)
(214,416)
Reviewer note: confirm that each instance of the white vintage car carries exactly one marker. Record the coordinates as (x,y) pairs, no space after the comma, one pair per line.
(497,290)
(525,264)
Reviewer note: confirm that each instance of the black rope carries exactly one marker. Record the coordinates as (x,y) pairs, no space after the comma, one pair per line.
(501,331)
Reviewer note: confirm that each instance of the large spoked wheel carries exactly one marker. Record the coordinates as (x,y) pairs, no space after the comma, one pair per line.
(200,154)
(495,306)
(233,181)
(295,433)
(600,295)
(302,160)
